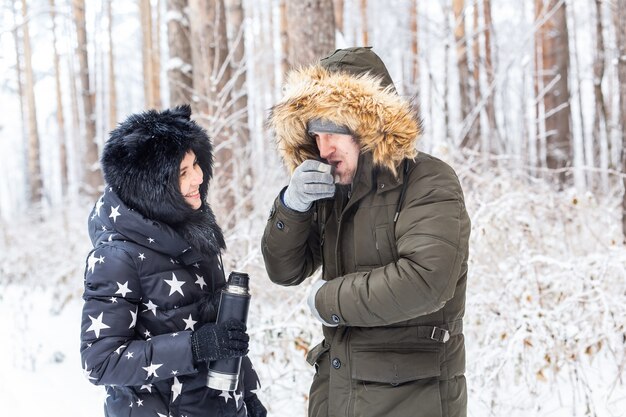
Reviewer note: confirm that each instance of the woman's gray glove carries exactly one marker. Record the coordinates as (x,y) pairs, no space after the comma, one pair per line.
(310,182)
(214,341)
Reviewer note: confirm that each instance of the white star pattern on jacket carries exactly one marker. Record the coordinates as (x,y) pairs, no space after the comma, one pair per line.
(97,325)
(189,322)
(226,396)
(123,289)
(177,388)
(99,204)
(115,213)
(92,261)
(237,396)
(133,316)
(147,387)
(87,372)
(119,349)
(200,281)
(151,370)
(142,257)
(175,285)
(151,307)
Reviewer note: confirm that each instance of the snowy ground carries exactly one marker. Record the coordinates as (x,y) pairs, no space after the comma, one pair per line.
(546,309)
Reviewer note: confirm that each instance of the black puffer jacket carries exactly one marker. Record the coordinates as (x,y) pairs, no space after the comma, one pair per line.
(144,289)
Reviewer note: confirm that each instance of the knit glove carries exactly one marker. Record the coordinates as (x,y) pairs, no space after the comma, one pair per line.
(215,341)
(254,407)
(310,182)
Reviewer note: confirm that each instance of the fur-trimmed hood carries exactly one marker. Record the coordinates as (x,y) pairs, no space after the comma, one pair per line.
(383,122)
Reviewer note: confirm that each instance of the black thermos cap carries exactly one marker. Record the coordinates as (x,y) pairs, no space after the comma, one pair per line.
(239,279)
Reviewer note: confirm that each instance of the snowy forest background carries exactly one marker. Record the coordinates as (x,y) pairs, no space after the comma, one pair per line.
(526,99)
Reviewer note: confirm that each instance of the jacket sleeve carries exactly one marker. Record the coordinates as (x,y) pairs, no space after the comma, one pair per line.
(432,234)
(112,352)
(290,245)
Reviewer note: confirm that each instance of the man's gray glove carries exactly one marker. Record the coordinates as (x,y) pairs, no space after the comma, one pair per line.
(310,182)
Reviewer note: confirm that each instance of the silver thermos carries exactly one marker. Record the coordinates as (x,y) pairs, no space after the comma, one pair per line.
(234,303)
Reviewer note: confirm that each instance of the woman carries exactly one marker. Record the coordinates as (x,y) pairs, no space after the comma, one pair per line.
(153,278)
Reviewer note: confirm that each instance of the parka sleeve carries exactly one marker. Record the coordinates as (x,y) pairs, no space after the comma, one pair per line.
(432,234)
(112,352)
(290,245)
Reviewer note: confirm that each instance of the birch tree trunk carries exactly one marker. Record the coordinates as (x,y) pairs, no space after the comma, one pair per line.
(460,40)
(179,73)
(338,8)
(489,73)
(476,59)
(554,68)
(284,38)
(311,29)
(150,57)
(18,69)
(112,89)
(619,17)
(364,25)
(59,102)
(601,132)
(92,176)
(34,165)
(414,81)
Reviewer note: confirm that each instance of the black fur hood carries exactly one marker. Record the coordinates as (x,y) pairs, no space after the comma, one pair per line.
(141,163)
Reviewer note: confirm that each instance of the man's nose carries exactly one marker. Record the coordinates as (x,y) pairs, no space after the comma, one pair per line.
(325,147)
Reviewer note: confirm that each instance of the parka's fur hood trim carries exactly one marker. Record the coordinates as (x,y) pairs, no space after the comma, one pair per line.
(384,123)
(141,163)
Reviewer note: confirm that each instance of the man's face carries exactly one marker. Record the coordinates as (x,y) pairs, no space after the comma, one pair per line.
(342,152)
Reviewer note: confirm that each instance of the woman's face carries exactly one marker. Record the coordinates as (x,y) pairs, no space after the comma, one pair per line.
(190,179)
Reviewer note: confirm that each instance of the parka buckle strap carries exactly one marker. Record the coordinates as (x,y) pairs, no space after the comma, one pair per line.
(440,335)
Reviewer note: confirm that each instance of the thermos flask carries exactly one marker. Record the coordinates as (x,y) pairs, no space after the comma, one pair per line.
(234,303)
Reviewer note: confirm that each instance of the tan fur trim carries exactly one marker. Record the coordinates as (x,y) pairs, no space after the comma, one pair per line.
(383,122)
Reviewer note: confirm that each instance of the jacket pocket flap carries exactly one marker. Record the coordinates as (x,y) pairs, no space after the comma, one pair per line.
(315,353)
(395,367)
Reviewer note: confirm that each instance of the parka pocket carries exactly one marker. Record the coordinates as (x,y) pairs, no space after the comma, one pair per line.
(395,366)
(396,382)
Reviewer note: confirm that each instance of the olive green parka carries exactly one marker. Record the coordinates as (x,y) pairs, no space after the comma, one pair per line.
(393,249)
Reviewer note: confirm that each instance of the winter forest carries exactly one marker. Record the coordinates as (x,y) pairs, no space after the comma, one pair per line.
(526,99)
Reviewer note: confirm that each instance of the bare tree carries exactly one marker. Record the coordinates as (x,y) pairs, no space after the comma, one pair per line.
(476,132)
(460,39)
(59,101)
(179,73)
(412,86)
(93,177)
(238,112)
(150,55)
(284,37)
(338,7)
(34,164)
(489,71)
(600,120)
(18,44)
(364,24)
(311,29)
(619,18)
(553,67)
(213,86)
(112,88)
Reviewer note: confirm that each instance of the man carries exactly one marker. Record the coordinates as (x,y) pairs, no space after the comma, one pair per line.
(389,228)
